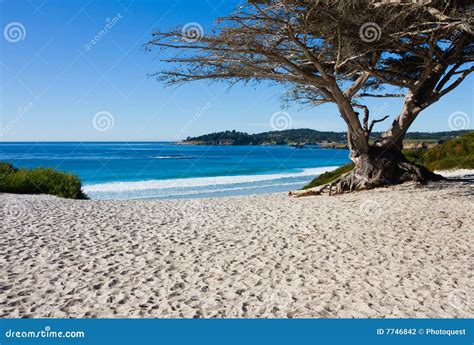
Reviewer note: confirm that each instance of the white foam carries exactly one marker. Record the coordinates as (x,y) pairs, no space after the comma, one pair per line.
(172,157)
(166,193)
(456,173)
(197,181)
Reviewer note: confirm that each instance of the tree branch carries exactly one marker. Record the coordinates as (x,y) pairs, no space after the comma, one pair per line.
(451,87)
(357,85)
(372,124)
(365,121)
(389,95)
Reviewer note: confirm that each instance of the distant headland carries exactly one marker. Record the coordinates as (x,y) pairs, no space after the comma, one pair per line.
(305,136)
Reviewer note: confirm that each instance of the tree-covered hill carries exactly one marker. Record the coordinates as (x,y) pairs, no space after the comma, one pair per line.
(297,136)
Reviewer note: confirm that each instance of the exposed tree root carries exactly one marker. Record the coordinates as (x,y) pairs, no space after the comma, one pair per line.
(328,187)
(380,169)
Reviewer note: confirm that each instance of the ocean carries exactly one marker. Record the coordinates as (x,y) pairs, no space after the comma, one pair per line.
(154,170)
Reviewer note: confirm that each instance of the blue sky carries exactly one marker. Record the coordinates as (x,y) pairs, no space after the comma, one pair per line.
(52,86)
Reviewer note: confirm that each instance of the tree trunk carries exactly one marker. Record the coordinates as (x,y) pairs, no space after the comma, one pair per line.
(383,166)
(383,163)
(380,167)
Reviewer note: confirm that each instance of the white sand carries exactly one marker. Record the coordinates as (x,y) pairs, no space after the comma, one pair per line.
(398,252)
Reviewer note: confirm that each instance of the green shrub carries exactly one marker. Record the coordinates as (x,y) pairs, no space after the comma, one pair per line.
(462,162)
(329,176)
(453,154)
(5,169)
(415,156)
(39,181)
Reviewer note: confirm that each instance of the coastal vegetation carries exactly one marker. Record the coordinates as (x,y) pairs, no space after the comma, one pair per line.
(284,137)
(39,181)
(329,176)
(304,136)
(456,153)
(453,154)
(339,52)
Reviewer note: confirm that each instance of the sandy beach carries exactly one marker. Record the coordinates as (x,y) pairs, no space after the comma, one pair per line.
(404,251)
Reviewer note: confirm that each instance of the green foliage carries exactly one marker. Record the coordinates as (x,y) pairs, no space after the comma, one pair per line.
(6,168)
(307,136)
(237,138)
(453,154)
(465,162)
(303,135)
(434,136)
(329,176)
(39,181)
(300,136)
(415,156)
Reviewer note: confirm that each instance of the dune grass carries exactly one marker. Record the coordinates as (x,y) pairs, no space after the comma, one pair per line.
(39,181)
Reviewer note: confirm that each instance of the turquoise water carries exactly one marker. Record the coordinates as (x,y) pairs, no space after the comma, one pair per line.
(118,170)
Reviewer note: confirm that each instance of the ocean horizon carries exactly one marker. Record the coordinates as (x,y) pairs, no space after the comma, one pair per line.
(165,169)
